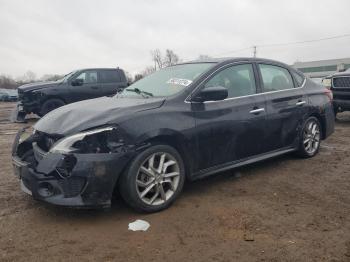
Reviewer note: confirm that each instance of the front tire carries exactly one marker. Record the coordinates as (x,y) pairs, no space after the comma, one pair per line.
(49,105)
(154,179)
(310,138)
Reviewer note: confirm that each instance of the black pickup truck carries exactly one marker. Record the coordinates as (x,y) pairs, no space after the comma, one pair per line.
(41,98)
(339,84)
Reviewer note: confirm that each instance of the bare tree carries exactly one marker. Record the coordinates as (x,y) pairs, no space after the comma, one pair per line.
(128,77)
(170,58)
(157,59)
(203,57)
(30,76)
(7,82)
(138,77)
(148,70)
(51,77)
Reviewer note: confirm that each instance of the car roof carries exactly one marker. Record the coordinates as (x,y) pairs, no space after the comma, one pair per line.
(344,73)
(100,68)
(225,60)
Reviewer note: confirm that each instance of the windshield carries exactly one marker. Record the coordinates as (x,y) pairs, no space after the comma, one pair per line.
(168,81)
(65,78)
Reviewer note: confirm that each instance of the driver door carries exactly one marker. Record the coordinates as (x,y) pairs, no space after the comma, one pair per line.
(90,87)
(233,129)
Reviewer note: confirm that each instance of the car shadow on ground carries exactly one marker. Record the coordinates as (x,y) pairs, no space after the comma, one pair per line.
(201,186)
(343,119)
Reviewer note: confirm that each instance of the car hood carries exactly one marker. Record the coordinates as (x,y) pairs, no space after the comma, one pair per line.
(345,73)
(88,114)
(36,86)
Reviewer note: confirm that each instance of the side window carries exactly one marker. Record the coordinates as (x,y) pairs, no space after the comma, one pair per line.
(89,77)
(298,78)
(239,80)
(109,76)
(275,78)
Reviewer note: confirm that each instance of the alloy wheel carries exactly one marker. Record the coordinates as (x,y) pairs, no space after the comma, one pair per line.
(158,178)
(312,137)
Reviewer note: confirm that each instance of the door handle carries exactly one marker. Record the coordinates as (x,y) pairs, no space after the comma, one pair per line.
(300,103)
(257,111)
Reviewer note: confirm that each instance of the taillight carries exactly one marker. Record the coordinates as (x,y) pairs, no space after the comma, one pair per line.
(329,94)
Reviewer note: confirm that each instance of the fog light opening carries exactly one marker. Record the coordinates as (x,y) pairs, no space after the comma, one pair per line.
(45,189)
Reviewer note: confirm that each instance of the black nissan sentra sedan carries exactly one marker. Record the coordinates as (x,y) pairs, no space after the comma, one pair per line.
(181,123)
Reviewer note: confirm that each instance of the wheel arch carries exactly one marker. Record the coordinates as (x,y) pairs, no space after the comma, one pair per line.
(322,122)
(178,142)
(45,99)
(48,97)
(164,136)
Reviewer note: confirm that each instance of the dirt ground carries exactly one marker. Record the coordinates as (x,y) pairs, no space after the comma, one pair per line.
(285,209)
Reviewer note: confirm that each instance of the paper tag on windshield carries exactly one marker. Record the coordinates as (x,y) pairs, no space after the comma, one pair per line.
(179,81)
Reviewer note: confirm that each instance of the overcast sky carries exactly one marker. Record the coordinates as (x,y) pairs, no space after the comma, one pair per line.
(57,36)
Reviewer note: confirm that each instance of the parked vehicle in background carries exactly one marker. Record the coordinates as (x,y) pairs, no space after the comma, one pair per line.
(183,122)
(3,95)
(41,98)
(339,84)
(8,95)
(13,95)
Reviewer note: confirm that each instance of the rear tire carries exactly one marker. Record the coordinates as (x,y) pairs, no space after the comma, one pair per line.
(310,138)
(49,105)
(153,180)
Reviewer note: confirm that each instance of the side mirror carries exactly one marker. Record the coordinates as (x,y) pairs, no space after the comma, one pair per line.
(214,93)
(77,82)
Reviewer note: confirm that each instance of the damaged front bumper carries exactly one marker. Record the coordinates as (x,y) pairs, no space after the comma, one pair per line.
(72,180)
(18,115)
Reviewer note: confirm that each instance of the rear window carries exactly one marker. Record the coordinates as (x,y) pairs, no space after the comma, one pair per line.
(275,78)
(109,76)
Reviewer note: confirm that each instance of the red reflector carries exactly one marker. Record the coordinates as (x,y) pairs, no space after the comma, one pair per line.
(329,94)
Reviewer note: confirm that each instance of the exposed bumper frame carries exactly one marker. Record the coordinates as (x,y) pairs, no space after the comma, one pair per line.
(90,184)
(341,105)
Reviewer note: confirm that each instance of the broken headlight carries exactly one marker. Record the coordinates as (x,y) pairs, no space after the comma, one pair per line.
(101,140)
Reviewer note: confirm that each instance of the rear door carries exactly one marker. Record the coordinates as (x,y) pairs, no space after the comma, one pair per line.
(285,105)
(111,81)
(234,128)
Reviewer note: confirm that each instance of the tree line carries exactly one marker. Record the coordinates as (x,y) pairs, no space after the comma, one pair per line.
(159,61)
(8,82)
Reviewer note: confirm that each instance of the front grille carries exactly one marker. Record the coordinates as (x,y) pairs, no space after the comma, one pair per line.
(72,187)
(341,82)
(25,97)
(20,94)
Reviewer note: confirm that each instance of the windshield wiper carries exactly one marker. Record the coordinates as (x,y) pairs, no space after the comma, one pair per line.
(140,92)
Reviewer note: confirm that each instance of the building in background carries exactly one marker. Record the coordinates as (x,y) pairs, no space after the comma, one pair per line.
(322,68)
